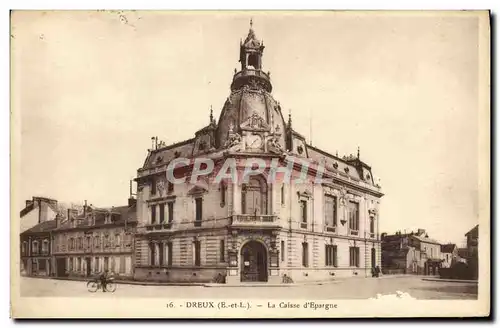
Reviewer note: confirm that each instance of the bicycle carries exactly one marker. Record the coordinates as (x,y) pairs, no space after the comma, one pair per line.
(94,285)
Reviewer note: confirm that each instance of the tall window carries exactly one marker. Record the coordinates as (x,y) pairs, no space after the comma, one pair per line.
(153,214)
(374,258)
(199,211)
(170,250)
(162,213)
(372,225)
(354,257)
(282,251)
(153,186)
(283,194)
(96,265)
(152,254)
(117,240)
(122,264)
(45,246)
(353,209)
(303,213)
(254,197)
(161,254)
(170,212)
(222,193)
(305,255)
(331,255)
(222,250)
(196,253)
(330,211)
(24,248)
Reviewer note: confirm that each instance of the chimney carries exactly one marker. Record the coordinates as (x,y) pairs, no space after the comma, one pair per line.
(29,202)
(58,220)
(85,208)
(420,232)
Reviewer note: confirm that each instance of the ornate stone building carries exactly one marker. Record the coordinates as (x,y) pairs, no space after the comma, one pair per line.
(268,226)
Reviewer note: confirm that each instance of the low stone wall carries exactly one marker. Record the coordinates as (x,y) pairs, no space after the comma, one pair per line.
(199,275)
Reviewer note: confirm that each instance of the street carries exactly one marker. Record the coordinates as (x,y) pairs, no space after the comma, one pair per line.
(354,288)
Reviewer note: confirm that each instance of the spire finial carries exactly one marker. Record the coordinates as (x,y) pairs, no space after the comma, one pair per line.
(289,118)
(358,152)
(251,22)
(211,114)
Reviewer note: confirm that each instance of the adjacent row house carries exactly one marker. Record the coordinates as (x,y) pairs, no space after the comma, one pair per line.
(81,243)
(413,253)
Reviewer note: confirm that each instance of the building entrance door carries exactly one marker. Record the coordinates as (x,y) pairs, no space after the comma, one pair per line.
(253,262)
(61,267)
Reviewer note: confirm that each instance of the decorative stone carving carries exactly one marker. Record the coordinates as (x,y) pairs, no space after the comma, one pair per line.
(274,146)
(233,141)
(255,122)
(300,150)
(342,196)
(160,185)
(346,169)
(372,212)
(335,165)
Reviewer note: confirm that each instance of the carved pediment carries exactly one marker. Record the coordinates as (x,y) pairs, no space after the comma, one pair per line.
(255,122)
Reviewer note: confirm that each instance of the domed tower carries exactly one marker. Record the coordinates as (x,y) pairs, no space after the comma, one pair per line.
(251,120)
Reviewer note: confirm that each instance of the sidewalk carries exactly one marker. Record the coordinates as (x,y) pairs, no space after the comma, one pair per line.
(450,280)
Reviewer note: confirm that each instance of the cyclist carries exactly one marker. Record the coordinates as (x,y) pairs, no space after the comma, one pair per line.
(103,278)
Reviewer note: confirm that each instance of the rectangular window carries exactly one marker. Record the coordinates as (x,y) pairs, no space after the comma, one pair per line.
(170,212)
(303,208)
(162,213)
(372,225)
(70,264)
(161,255)
(283,194)
(222,193)
(199,211)
(282,251)
(153,186)
(196,253)
(96,265)
(353,216)
(305,255)
(117,240)
(122,264)
(222,249)
(331,255)
(354,257)
(128,240)
(170,250)
(153,214)
(152,254)
(170,187)
(330,211)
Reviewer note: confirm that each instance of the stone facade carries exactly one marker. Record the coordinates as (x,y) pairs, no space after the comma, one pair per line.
(263,228)
(94,241)
(36,250)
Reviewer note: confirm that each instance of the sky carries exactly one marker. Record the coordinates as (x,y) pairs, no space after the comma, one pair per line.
(91,89)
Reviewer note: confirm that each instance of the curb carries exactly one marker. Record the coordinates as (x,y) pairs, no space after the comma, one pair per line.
(188,284)
(273,285)
(451,280)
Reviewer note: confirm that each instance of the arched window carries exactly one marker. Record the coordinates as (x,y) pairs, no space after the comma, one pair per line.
(254,197)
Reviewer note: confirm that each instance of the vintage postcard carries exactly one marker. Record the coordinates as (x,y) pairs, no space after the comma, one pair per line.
(250,164)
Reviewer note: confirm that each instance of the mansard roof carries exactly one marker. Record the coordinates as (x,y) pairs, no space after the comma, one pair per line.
(45,226)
